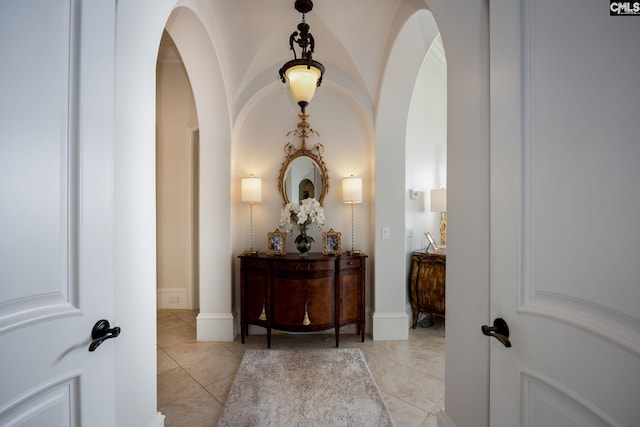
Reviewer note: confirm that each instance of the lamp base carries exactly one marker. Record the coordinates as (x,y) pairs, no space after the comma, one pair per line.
(354,252)
(250,252)
(443,229)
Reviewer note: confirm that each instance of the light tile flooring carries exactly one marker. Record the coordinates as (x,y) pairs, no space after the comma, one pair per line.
(194,377)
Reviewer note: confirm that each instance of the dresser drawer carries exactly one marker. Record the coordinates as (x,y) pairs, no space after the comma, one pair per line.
(303,265)
(349,263)
(254,263)
(322,265)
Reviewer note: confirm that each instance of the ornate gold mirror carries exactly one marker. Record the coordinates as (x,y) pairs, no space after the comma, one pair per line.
(303,173)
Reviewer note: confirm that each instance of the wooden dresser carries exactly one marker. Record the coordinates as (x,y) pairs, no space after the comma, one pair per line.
(302,294)
(427,285)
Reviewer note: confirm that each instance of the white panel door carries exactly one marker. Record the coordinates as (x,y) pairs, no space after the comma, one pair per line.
(565,212)
(56,137)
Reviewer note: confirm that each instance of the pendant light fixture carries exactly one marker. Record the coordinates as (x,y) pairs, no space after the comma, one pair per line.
(304,73)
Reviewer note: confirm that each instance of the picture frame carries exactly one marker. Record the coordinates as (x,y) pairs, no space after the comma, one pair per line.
(276,242)
(331,242)
(432,243)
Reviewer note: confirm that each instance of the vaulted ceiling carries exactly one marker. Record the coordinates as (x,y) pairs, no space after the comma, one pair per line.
(354,40)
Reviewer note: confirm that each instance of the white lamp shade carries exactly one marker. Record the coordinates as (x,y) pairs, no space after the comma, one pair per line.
(352,189)
(439,200)
(303,82)
(251,190)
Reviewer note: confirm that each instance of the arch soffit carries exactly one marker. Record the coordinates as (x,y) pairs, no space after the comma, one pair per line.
(415,30)
(200,59)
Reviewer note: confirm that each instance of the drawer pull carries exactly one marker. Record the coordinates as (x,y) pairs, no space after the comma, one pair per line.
(263,315)
(305,320)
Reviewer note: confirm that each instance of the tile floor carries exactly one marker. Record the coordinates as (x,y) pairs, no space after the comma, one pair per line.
(194,377)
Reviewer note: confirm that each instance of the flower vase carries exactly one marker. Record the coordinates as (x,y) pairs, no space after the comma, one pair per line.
(303,242)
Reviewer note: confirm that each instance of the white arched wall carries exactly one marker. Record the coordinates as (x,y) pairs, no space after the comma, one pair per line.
(215,320)
(138,32)
(417,32)
(464,28)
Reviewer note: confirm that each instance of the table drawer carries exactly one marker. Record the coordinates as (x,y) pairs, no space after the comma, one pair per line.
(254,263)
(349,263)
(303,265)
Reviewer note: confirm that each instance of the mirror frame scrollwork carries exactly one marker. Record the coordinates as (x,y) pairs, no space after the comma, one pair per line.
(303,131)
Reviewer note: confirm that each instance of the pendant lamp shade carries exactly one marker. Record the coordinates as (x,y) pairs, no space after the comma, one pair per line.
(303,73)
(303,81)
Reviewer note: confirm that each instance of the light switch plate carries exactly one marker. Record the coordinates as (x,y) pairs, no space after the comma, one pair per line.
(386,233)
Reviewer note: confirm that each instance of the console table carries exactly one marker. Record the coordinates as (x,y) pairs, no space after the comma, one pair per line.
(427,285)
(302,294)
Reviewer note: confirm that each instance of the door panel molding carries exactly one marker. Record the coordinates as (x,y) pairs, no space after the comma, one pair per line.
(51,183)
(50,403)
(543,295)
(33,309)
(544,398)
(616,327)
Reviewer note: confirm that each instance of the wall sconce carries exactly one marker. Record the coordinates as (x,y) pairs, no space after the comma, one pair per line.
(251,189)
(439,204)
(304,74)
(352,193)
(413,194)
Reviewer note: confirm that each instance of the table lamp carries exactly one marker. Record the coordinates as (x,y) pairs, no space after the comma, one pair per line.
(352,193)
(439,204)
(251,193)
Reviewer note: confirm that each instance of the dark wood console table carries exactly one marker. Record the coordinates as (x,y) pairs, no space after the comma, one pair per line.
(427,285)
(302,294)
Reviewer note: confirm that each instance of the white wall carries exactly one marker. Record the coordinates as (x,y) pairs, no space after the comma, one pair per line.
(464,27)
(175,118)
(415,33)
(190,30)
(138,30)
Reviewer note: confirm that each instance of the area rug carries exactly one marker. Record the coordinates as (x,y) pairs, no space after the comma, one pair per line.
(304,388)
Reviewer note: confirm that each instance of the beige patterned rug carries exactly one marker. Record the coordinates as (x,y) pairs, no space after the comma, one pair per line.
(304,388)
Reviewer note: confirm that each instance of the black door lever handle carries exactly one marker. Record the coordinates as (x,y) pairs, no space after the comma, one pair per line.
(102,332)
(499,330)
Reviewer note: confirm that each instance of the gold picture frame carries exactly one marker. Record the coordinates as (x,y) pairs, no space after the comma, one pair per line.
(331,242)
(432,243)
(276,243)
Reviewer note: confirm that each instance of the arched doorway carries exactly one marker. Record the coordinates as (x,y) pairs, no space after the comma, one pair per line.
(177,148)
(465,31)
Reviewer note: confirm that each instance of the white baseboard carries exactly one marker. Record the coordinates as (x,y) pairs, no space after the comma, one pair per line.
(443,419)
(172,298)
(390,326)
(409,314)
(215,327)
(157,421)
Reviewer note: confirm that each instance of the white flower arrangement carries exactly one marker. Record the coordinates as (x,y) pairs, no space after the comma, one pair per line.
(307,212)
